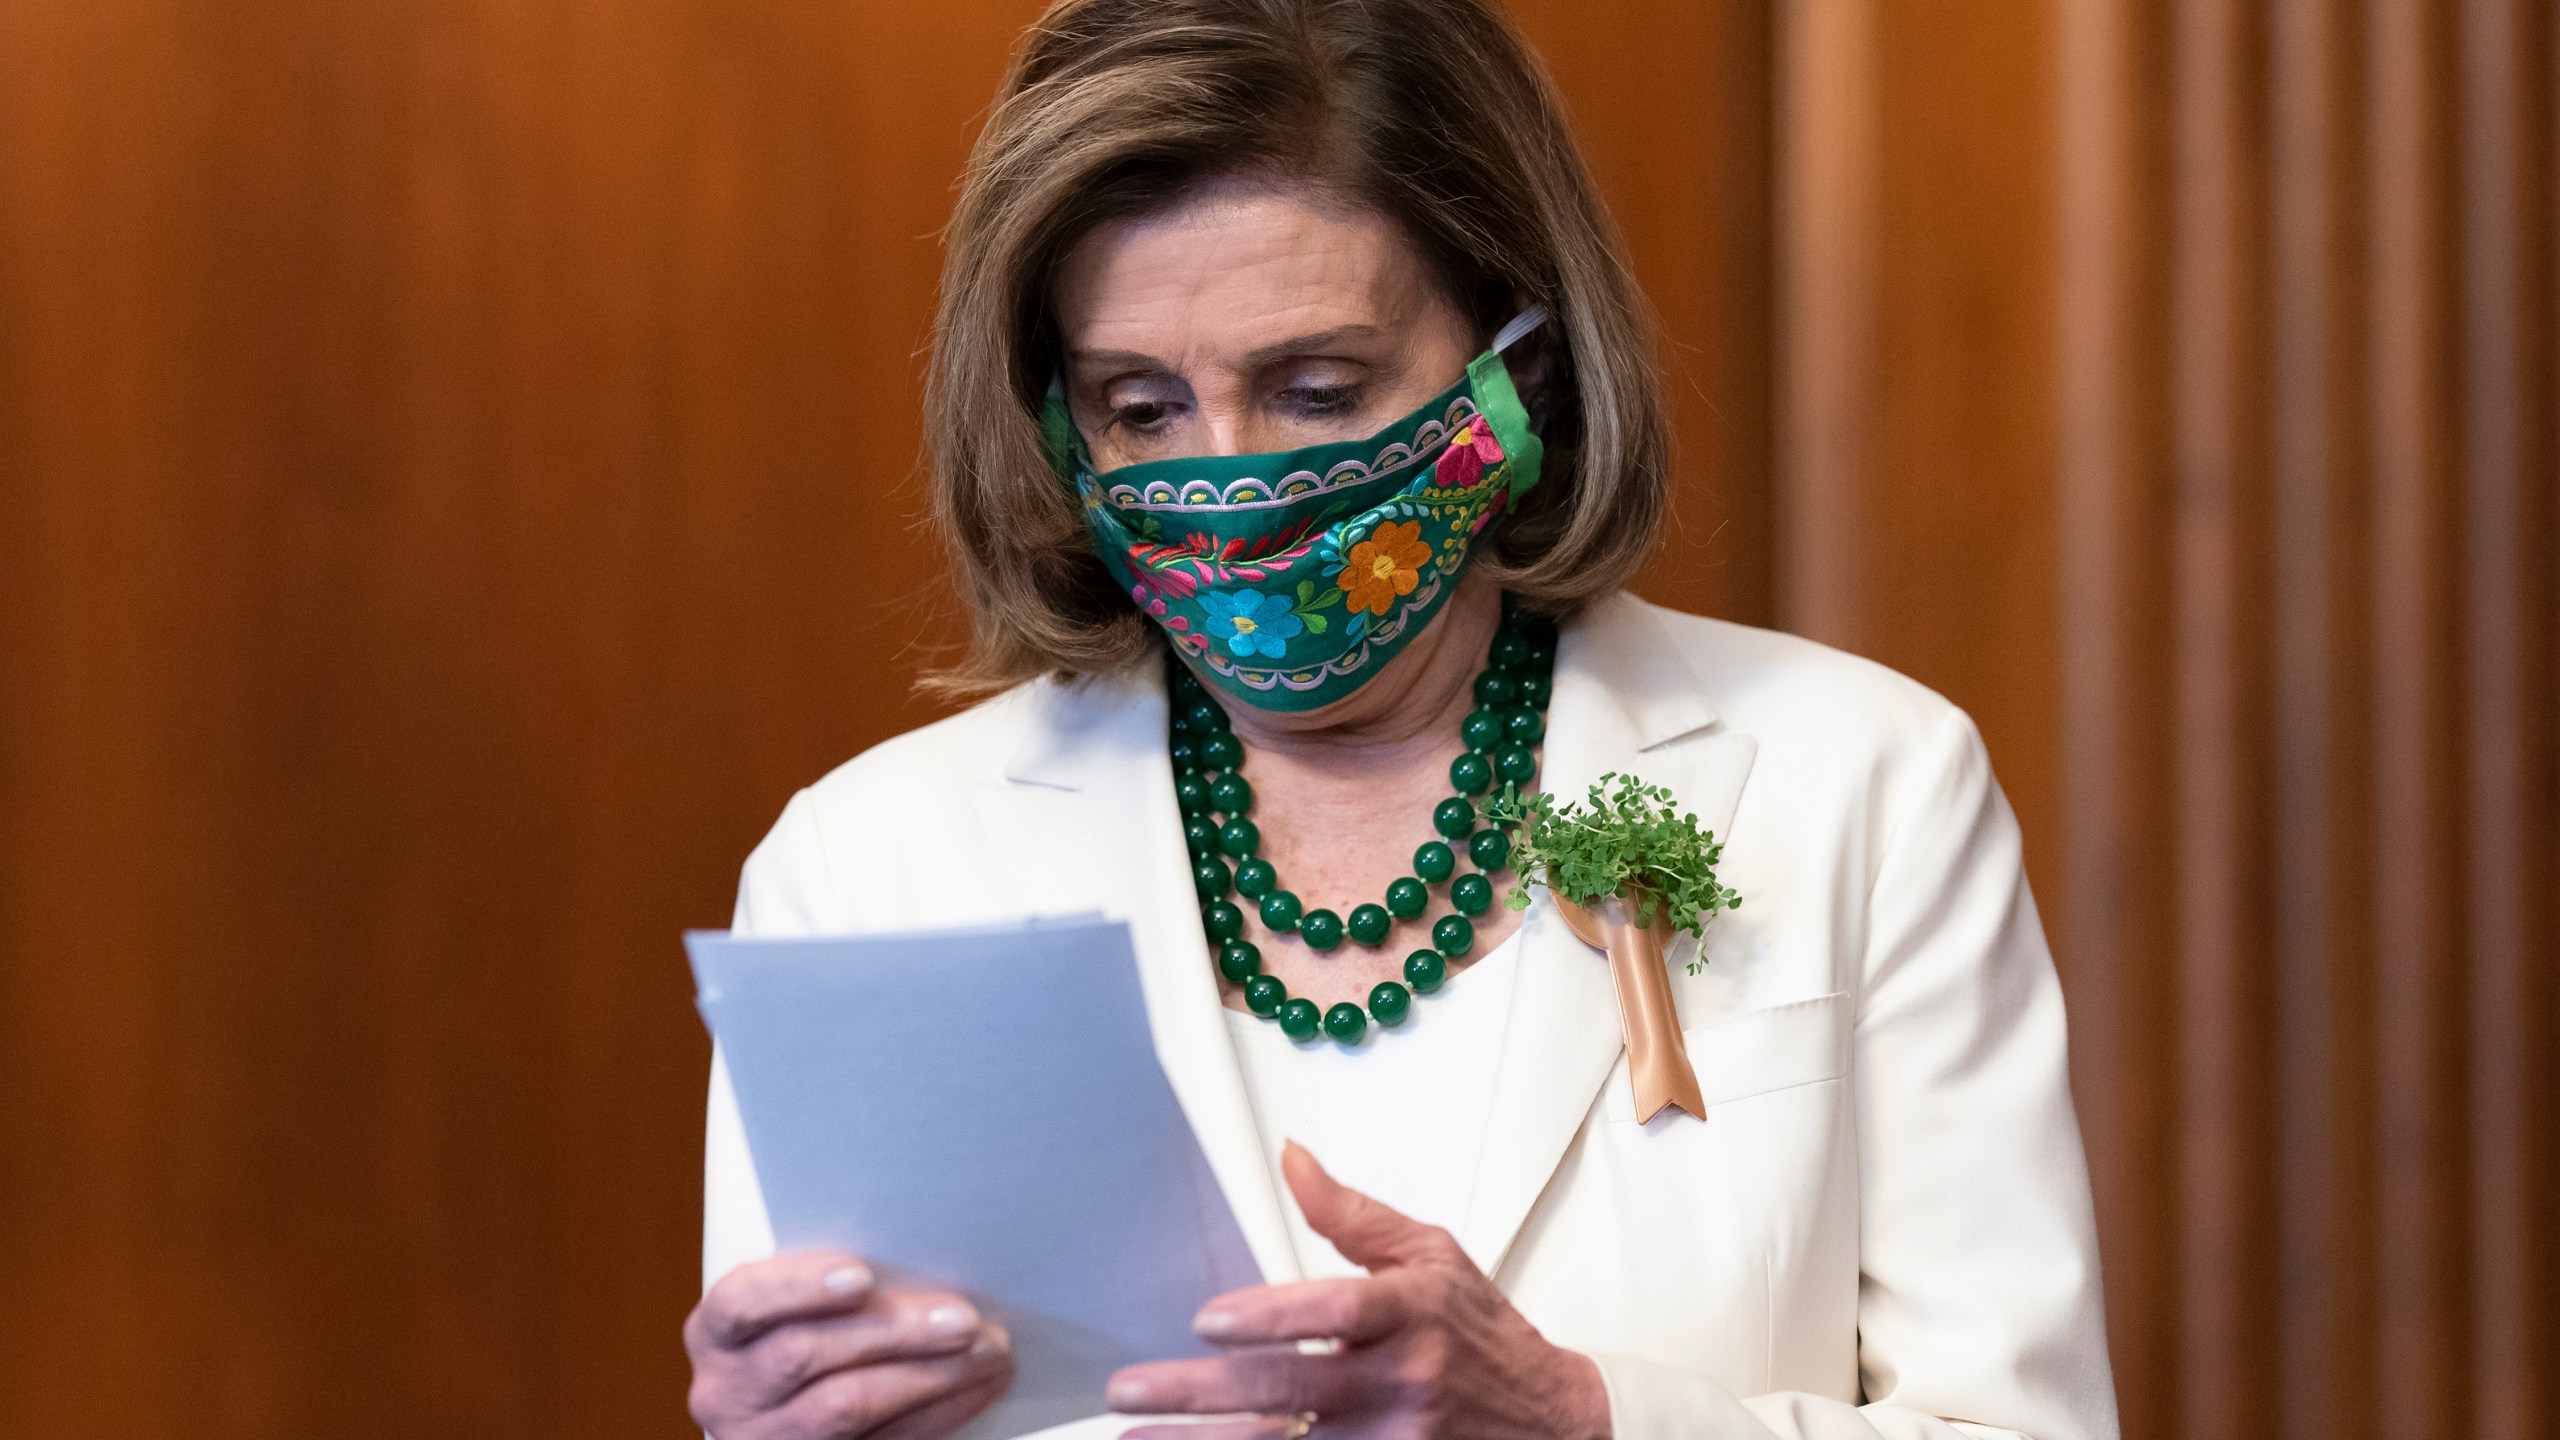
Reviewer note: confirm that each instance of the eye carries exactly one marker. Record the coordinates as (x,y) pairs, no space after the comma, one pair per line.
(1319,402)
(1144,416)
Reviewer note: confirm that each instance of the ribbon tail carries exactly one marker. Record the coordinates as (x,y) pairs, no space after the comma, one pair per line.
(1658,1066)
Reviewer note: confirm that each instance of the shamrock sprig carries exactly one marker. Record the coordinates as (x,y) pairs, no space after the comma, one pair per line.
(1629,839)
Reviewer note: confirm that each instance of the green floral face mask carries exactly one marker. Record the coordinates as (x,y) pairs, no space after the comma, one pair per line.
(1287,580)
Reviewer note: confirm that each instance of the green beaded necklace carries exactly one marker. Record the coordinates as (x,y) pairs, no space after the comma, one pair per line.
(1501,737)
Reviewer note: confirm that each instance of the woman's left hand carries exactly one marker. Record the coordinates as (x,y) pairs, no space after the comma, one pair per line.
(1428,1348)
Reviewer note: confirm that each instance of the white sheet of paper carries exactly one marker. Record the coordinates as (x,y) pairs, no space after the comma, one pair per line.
(981,1108)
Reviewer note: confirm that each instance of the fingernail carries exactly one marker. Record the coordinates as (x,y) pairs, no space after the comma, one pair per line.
(1213,1322)
(1126,1396)
(846,1280)
(953,1320)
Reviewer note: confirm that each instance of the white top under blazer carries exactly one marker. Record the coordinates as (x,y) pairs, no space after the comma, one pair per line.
(1882,1227)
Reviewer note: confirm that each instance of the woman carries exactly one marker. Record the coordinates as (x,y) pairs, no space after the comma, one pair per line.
(1294,423)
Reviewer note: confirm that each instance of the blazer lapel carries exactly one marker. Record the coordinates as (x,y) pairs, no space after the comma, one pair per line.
(1085,817)
(1624,701)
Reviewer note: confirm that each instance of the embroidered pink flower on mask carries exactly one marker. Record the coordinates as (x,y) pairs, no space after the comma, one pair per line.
(1463,463)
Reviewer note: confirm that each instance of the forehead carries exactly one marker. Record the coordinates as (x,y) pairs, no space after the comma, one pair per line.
(1236,265)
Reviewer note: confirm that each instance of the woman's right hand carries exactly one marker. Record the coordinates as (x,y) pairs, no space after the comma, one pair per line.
(807,1347)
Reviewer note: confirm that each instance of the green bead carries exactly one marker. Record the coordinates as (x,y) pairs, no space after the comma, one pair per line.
(1453,936)
(1510,649)
(1222,751)
(1299,1019)
(1405,898)
(1230,794)
(1240,838)
(1433,862)
(1423,970)
(1222,920)
(1482,729)
(1201,834)
(1471,774)
(1263,994)
(1495,689)
(1453,817)
(1193,793)
(1490,849)
(1239,961)
(1535,689)
(1211,878)
(1186,689)
(1515,763)
(1280,912)
(1346,1022)
(1321,929)
(1471,894)
(1206,717)
(1523,725)
(1368,924)
(1256,878)
(1186,756)
(1391,1002)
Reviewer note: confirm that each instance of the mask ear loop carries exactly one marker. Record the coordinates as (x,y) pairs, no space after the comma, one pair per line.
(1521,324)
(1500,402)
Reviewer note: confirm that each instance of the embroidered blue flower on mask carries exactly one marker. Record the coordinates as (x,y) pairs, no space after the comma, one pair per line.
(1251,622)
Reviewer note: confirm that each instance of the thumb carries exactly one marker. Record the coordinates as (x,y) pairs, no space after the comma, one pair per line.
(1369,1233)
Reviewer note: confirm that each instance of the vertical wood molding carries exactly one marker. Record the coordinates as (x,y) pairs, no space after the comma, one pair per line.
(2505,313)
(2215,305)
(2311,468)
(2113,929)
(2418,979)
(1828,215)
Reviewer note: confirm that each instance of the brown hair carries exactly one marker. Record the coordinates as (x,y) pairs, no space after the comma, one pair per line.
(1431,112)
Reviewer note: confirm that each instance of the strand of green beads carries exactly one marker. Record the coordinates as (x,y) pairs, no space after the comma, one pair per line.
(1501,735)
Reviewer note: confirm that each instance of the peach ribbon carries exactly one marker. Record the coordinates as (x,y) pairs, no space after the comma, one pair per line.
(1658,1067)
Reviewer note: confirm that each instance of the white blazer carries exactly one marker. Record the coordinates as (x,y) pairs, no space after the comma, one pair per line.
(1882,1227)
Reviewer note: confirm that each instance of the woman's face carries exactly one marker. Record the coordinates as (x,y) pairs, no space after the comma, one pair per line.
(1249,317)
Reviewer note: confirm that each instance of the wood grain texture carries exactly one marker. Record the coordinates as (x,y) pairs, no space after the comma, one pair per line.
(1672,105)
(2345,236)
(460,461)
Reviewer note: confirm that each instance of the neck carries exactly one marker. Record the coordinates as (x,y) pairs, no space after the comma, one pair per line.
(1414,702)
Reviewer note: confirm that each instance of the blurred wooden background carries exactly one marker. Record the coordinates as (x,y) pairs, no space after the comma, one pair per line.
(454,458)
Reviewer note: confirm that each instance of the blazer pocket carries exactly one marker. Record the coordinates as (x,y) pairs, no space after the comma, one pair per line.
(1756,1052)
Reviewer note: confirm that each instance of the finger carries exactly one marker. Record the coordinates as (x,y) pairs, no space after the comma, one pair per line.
(752,1299)
(854,1402)
(938,1418)
(1368,1233)
(1263,1382)
(896,1325)
(1259,1427)
(1352,1310)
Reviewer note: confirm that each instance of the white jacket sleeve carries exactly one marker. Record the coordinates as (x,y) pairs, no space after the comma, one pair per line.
(1978,1309)
(783,890)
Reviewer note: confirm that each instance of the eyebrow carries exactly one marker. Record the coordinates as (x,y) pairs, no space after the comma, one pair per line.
(1296,345)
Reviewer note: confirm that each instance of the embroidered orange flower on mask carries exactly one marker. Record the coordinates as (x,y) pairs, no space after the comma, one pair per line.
(1387,564)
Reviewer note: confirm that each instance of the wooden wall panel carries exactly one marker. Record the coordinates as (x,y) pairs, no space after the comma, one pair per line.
(1915,381)
(2340,251)
(1672,105)
(458,461)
